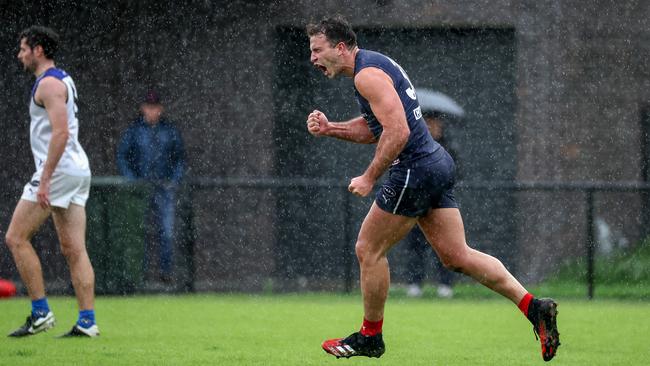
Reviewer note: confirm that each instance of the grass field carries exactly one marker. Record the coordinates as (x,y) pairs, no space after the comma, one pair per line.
(217,329)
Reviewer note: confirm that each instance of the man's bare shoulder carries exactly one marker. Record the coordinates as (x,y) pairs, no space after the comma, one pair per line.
(50,88)
(371,80)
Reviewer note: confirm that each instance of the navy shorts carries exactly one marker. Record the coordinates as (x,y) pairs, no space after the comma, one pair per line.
(412,191)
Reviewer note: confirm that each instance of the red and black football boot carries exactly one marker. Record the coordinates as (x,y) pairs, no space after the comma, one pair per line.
(355,345)
(543,314)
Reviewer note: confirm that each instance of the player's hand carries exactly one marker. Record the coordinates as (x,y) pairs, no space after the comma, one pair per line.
(43,194)
(361,186)
(317,123)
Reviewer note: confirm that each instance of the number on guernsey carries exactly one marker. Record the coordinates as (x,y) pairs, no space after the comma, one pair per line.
(410,90)
(74,95)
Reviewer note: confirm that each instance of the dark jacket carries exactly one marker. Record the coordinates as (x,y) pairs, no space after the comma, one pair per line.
(153,153)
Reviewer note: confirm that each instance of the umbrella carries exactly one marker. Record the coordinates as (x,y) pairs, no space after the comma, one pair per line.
(433,101)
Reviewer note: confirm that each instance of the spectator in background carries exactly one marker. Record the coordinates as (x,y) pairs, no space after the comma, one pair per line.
(437,109)
(152,149)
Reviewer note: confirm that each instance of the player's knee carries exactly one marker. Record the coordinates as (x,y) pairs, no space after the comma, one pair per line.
(364,252)
(71,251)
(454,262)
(450,265)
(361,251)
(13,241)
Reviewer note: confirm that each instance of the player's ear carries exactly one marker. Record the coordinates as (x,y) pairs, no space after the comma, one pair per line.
(38,50)
(341,47)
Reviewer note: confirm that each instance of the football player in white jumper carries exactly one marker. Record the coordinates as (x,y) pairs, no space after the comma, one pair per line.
(59,187)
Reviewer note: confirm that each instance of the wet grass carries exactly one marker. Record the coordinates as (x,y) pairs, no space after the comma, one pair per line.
(219,329)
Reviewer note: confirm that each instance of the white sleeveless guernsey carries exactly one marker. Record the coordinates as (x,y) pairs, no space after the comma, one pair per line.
(74,160)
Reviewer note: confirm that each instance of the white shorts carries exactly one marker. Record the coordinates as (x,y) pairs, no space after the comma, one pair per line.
(64,190)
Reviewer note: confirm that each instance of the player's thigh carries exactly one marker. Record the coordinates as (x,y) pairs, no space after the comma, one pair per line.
(445,231)
(381,230)
(70,225)
(26,220)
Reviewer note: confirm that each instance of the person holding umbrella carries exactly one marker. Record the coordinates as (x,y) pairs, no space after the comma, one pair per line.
(437,110)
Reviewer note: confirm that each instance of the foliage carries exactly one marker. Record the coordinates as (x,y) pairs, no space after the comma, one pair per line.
(624,274)
(623,267)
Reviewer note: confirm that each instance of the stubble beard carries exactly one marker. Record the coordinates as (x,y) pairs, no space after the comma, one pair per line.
(29,67)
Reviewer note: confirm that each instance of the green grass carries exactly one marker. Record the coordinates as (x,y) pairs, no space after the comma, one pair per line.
(288,329)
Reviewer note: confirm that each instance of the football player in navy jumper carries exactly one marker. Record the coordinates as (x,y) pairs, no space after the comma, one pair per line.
(418,189)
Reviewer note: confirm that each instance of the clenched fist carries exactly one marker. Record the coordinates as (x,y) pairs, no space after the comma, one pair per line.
(317,123)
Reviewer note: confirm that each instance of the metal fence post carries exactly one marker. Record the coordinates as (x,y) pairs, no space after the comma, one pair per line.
(590,243)
(191,237)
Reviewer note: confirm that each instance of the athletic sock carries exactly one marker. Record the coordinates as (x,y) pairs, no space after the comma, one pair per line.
(524,304)
(40,307)
(86,318)
(530,303)
(371,328)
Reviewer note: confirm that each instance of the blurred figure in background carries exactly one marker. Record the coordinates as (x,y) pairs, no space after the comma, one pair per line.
(152,149)
(437,110)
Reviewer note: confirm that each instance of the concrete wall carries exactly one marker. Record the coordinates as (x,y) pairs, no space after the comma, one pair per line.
(582,77)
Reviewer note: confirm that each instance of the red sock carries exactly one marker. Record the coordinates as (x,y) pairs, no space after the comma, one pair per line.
(525,301)
(371,328)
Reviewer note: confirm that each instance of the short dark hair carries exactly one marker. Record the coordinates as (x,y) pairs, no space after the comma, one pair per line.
(336,29)
(45,37)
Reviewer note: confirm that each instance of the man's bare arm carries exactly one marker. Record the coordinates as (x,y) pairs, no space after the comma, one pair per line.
(377,87)
(354,130)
